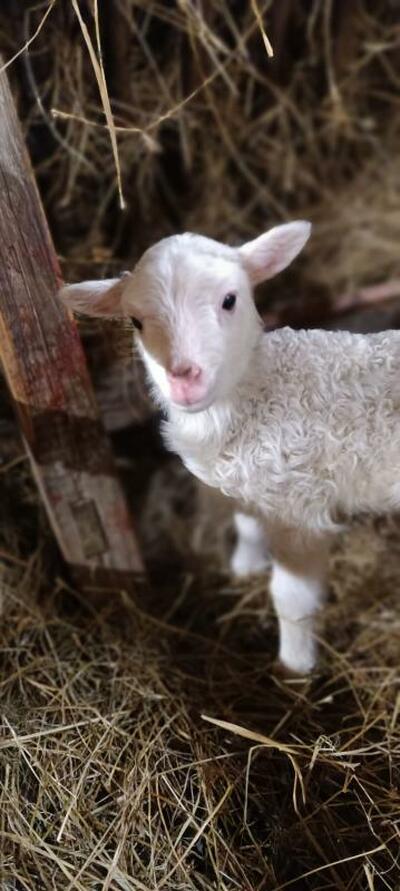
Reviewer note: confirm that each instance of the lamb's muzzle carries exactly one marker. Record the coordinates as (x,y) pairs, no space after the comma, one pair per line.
(186,384)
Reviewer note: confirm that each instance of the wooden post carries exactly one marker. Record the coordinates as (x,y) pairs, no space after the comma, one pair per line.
(48,379)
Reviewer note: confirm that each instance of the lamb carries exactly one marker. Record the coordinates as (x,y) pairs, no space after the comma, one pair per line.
(301,429)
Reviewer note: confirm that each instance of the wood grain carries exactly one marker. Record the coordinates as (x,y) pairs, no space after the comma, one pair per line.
(47,376)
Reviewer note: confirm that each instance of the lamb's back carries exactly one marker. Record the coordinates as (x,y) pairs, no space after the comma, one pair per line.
(324,430)
(332,365)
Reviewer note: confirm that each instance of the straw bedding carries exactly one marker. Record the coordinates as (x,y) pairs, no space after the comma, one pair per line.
(112,777)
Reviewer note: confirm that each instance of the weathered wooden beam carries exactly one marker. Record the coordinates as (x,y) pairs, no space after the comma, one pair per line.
(46,371)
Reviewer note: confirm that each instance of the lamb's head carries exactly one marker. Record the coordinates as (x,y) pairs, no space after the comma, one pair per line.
(191,302)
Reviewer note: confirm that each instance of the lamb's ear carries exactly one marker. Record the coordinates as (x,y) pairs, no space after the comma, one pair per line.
(268,254)
(96,298)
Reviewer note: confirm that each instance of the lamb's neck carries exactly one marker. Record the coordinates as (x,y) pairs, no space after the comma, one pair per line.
(216,424)
(201,428)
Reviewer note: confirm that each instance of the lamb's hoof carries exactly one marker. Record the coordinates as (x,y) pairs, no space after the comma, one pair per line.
(296,669)
(296,682)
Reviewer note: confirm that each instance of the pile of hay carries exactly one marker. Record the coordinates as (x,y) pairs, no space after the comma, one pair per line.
(213,135)
(111,775)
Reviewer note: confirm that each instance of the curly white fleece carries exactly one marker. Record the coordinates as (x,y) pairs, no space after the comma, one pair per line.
(311,434)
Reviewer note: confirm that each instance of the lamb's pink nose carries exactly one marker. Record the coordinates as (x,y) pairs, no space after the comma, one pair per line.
(185,371)
(186,383)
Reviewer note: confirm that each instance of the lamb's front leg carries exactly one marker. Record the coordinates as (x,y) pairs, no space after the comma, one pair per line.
(298,588)
(251,553)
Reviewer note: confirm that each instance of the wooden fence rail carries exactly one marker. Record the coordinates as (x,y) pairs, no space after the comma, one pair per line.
(46,371)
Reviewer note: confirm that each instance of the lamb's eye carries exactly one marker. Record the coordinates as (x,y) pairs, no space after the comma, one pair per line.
(137,324)
(229,302)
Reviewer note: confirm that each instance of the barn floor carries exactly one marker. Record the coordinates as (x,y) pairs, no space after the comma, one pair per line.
(111,775)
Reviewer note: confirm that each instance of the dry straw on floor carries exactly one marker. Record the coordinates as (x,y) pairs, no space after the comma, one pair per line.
(112,775)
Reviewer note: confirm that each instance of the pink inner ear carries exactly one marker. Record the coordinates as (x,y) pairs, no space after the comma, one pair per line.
(261,259)
(271,252)
(102,298)
(110,303)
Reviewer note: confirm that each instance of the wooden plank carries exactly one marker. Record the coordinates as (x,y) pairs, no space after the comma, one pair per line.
(47,376)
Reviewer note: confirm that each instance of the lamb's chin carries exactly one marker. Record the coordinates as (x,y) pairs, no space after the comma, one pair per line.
(194,407)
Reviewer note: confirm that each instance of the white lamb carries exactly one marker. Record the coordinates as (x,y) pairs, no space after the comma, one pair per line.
(300,428)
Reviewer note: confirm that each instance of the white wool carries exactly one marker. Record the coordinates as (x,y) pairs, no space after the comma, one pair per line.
(307,436)
(311,434)
(300,428)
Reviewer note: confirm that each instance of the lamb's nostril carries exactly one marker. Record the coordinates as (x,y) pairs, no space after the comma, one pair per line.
(189,372)
(195,372)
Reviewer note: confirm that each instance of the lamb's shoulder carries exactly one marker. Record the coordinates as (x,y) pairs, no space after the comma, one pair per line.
(246,450)
(264,433)
(309,409)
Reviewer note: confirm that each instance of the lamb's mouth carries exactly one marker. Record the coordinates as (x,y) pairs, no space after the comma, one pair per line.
(197,406)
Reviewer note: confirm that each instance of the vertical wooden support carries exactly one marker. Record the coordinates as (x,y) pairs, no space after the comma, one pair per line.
(48,379)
